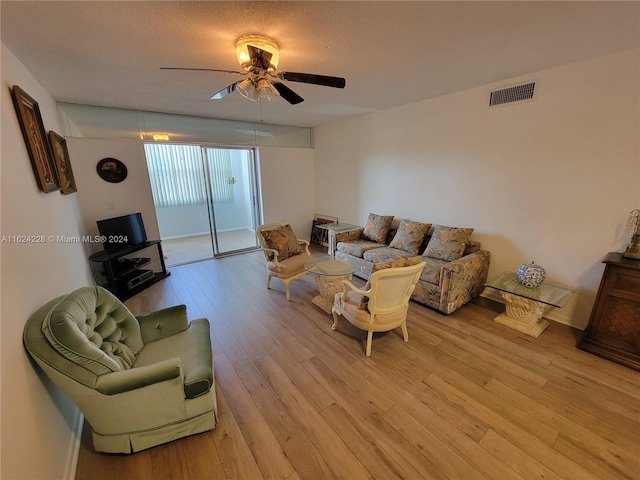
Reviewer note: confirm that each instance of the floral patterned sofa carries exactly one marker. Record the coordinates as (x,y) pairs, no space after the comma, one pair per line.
(456,267)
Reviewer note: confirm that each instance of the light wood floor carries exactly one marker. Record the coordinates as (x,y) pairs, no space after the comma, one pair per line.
(180,251)
(465,398)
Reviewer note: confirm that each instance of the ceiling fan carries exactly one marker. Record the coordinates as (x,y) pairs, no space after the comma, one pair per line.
(259,56)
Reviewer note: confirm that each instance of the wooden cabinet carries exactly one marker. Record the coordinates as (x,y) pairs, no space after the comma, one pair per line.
(614,326)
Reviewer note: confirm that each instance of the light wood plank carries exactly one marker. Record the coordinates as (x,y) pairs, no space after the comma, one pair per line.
(304,456)
(236,457)
(324,439)
(518,437)
(521,461)
(617,455)
(267,452)
(363,443)
(446,459)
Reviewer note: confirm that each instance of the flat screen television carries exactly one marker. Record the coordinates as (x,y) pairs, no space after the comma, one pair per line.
(122,232)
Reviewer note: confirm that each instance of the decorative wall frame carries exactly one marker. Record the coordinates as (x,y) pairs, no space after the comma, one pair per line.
(318,235)
(36,140)
(63,163)
(111,170)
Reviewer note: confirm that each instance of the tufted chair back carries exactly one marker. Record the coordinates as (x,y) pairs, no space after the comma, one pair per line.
(94,329)
(85,334)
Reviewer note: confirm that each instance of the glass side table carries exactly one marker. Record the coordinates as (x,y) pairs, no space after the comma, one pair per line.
(524,306)
(332,228)
(329,275)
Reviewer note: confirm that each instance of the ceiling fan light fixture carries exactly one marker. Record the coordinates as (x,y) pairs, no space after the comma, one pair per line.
(248,89)
(266,90)
(257,41)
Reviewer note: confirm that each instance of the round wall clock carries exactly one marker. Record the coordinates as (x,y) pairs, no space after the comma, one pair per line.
(111,170)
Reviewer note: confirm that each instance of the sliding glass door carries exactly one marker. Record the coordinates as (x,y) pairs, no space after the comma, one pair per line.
(232,198)
(206,200)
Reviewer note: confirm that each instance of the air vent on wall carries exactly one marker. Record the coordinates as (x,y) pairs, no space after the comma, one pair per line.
(512,94)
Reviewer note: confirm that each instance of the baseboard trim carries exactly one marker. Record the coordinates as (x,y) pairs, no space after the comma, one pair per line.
(74,446)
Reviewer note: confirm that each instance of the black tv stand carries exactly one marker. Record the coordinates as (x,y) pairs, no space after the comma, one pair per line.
(125,274)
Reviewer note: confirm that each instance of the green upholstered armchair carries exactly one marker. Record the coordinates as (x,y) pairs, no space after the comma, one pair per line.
(139,381)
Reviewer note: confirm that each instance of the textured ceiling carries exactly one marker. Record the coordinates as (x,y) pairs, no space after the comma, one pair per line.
(391,53)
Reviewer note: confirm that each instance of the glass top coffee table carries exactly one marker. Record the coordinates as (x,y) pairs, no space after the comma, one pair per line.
(524,305)
(329,275)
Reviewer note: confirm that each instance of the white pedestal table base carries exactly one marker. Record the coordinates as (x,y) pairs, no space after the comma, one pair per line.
(328,286)
(523,315)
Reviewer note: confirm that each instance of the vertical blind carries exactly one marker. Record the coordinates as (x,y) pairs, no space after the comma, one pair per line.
(177,174)
(221,178)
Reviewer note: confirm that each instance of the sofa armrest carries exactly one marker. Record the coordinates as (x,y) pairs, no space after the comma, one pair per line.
(463,279)
(134,378)
(349,235)
(163,323)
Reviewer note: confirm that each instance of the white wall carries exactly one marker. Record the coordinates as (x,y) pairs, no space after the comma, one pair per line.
(39,423)
(99,199)
(551,180)
(287,178)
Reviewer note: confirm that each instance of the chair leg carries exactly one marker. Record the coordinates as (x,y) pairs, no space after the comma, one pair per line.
(369,337)
(335,318)
(286,290)
(405,333)
(269,282)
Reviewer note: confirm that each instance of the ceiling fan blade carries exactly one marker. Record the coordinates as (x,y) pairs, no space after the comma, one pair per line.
(336,82)
(202,70)
(225,91)
(289,95)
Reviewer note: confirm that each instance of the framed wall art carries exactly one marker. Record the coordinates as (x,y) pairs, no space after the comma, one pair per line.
(35,139)
(63,163)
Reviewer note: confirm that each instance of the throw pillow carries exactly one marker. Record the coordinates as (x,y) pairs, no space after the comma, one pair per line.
(410,236)
(283,240)
(377,227)
(447,243)
(396,262)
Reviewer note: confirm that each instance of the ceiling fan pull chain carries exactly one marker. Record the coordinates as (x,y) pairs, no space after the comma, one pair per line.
(261,121)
